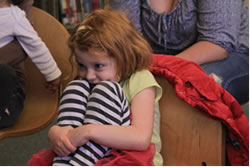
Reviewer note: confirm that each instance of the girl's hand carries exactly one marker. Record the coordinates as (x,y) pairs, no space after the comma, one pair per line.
(79,136)
(59,140)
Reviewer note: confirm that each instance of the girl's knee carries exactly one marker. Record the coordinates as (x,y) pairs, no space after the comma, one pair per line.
(110,87)
(107,105)
(107,84)
(81,86)
(73,103)
(83,83)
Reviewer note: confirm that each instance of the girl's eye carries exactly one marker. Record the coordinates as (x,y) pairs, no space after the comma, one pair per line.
(99,66)
(80,65)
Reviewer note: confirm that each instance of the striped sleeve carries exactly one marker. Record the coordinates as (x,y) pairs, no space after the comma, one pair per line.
(34,46)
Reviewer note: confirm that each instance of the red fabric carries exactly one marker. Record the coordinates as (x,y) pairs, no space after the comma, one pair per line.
(200,90)
(129,158)
(43,158)
(126,158)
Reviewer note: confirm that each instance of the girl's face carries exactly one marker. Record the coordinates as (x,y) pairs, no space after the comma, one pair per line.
(96,66)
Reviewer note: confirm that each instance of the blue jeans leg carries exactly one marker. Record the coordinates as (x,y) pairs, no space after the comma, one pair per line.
(234,71)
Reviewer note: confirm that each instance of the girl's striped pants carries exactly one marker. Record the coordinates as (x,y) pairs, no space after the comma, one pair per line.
(105,104)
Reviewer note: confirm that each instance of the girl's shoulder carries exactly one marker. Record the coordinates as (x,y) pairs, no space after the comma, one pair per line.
(138,81)
(144,74)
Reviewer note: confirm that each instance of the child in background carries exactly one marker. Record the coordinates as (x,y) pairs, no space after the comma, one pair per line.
(94,112)
(15,26)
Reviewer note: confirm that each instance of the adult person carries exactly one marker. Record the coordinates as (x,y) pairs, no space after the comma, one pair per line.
(211,33)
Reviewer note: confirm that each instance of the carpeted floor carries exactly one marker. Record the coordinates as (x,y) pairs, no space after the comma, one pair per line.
(17,151)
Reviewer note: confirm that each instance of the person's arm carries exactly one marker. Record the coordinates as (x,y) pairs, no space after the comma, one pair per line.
(36,49)
(218,26)
(137,136)
(203,52)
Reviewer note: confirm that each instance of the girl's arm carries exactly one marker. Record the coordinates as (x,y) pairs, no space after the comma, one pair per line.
(134,137)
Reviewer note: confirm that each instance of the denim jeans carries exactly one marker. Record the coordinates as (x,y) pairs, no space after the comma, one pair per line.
(11,96)
(234,72)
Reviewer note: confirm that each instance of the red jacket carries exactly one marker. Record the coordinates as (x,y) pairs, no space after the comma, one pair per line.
(199,90)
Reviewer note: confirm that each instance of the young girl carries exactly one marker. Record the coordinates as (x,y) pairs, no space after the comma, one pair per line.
(112,105)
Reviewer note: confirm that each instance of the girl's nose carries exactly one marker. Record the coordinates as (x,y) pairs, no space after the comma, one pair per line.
(90,75)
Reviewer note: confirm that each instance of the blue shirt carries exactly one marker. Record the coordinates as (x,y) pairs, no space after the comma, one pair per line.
(222,22)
